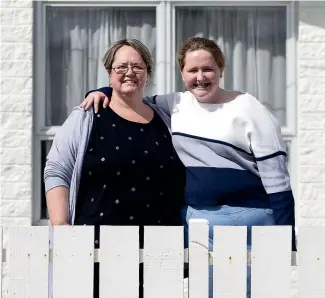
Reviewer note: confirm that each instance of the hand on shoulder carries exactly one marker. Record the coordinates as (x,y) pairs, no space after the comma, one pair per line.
(94,99)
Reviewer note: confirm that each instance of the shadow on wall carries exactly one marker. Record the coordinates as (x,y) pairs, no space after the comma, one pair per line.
(311,36)
(311,13)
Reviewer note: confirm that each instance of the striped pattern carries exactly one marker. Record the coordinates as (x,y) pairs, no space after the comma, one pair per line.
(234,153)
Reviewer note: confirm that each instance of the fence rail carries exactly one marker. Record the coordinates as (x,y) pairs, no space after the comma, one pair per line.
(31,265)
(141,252)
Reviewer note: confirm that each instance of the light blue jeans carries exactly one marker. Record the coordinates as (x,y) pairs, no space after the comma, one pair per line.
(227,216)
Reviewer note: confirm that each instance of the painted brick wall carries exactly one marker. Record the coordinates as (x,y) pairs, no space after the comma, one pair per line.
(311,113)
(16,112)
(16,53)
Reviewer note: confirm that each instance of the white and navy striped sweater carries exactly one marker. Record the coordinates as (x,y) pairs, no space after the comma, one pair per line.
(234,153)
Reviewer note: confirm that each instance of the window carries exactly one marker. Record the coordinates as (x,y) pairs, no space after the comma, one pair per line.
(253,40)
(76,41)
(258,40)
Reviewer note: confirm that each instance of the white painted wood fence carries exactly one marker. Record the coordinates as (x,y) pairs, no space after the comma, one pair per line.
(27,257)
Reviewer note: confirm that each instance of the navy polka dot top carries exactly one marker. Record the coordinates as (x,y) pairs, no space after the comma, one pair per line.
(131,174)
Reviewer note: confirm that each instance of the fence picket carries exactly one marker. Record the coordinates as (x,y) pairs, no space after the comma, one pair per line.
(198,258)
(163,262)
(28,258)
(73,261)
(271,262)
(119,262)
(229,262)
(311,260)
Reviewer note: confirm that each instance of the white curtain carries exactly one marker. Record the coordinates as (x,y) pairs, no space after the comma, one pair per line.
(254,43)
(77,39)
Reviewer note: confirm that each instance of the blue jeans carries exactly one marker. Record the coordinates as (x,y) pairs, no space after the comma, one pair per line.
(227,216)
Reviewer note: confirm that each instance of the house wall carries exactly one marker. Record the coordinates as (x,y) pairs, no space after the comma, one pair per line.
(311,113)
(16,112)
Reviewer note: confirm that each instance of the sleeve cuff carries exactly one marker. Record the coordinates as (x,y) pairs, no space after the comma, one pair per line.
(53,182)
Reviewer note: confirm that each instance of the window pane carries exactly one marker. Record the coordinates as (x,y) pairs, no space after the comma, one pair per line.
(253,40)
(45,148)
(76,41)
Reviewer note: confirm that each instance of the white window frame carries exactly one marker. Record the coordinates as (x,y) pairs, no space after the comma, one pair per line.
(165,67)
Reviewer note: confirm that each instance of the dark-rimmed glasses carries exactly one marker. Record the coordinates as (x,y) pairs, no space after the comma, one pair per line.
(123,69)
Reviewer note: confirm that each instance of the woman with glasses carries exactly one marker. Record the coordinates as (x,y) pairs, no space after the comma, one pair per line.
(117,166)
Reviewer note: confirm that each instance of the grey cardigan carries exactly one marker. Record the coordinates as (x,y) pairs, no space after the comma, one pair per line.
(65,159)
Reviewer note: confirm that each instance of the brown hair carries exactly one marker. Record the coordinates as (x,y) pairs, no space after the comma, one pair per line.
(201,43)
(133,43)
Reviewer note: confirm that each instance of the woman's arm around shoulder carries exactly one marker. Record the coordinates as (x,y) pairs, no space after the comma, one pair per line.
(165,102)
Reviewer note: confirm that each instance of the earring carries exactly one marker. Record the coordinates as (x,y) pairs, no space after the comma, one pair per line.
(147,83)
(221,75)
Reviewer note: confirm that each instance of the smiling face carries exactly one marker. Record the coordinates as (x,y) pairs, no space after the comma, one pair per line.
(201,75)
(134,80)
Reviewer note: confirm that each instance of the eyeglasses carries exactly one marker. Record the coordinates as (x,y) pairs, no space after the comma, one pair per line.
(122,69)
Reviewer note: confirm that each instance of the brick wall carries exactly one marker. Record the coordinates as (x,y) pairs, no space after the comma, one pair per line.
(311,113)
(16,112)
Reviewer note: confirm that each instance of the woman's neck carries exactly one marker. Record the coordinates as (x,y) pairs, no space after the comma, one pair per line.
(132,101)
(218,97)
(131,108)
(222,96)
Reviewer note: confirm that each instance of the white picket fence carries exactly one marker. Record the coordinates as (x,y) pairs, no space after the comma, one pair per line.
(27,260)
